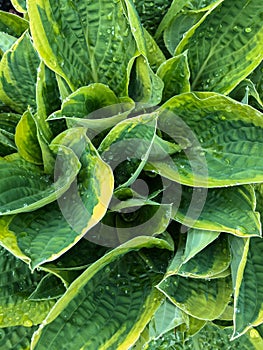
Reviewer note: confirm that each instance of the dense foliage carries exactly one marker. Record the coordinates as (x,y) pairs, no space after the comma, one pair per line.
(131,175)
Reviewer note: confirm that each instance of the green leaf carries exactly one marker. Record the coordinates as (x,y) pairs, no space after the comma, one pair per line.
(48,100)
(8,123)
(73,41)
(18,75)
(16,338)
(25,187)
(151,12)
(6,41)
(244,91)
(166,318)
(215,66)
(154,54)
(50,287)
(127,147)
(12,24)
(196,241)
(221,209)
(117,291)
(249,289)
(176,6)
(175,75)
(219,136)
(20,5)
(145,86)
(257,79)
(95,107)
(26,139)
(17,282)
(201,298)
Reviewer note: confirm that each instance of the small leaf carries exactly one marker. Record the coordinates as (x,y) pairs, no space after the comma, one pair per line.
(20,5)
(145,87)
(175,75)
(12,25)
(26,139)
(50,287)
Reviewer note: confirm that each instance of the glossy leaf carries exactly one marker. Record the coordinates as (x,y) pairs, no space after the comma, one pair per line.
(50,287)
(201,298)
(129,143)
(26,139)
(17,282)
(25,187)
(19,5)
(95,107)
(66,39)
(215,66)
(17,338)
(175,75)
(221,209)
(17,76)
(218,135)
(145,87)
(8,123)
(12,24)
(117,325)
(249,289)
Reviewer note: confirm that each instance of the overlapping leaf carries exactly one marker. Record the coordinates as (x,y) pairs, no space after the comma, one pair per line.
(225,47)
(18,75)
(17,283)
(119,295)
(218,135)
(73,41)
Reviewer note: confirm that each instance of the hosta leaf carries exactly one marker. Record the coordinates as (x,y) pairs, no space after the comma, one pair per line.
(127,146)
(73,41)
(175,75)
(6,41)
(18,75)
(249,290)
(180,24)
(154,54)
(176,6)
(95,107)
(26,139)
(17,282)
(211,262)
(219,135)
(257,79)
(25,187)
(166,318)
(151,12)
(119,227)
(80,207)
(225,48)
(201,298)
(50,287)
(8,123)
(196,241)
(19,5)
(117,292)
(244,91)
(229,210)
(12,24)
(16,338)
(145,87)
(48,100)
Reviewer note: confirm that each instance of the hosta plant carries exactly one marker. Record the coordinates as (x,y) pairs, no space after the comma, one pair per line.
(131,175)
